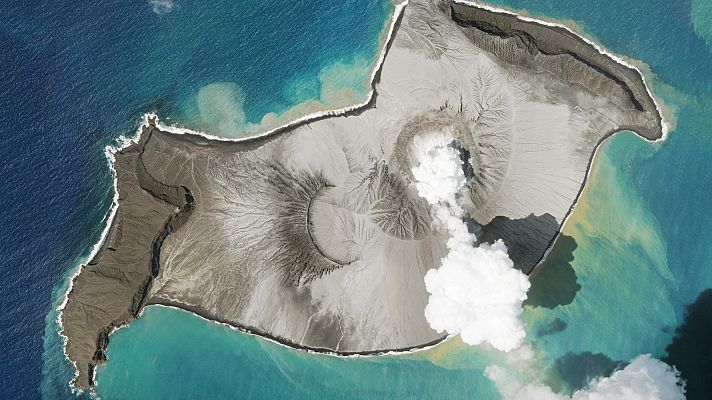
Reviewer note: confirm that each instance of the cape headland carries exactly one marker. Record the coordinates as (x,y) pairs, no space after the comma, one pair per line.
(314,235)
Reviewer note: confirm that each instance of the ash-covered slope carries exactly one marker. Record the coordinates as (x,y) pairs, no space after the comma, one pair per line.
(315,236)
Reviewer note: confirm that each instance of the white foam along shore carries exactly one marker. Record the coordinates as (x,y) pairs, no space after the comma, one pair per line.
(109,152)
(663,122)
(269,339)
(124,142)
(176,129)
(385,40)
(399,9)
(603,51)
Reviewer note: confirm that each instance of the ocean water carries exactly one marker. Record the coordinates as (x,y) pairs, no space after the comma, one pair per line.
(642,228)
(76,76)
(203,360)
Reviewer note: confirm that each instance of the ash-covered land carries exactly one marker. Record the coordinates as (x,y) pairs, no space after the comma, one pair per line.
(316,236)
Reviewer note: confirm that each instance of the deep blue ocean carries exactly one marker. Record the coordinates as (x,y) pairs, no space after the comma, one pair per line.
(74,76)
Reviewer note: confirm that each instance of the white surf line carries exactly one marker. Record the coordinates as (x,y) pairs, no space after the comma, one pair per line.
(603,51)
(415,349)
(109,152)
(398,11)
(123,142)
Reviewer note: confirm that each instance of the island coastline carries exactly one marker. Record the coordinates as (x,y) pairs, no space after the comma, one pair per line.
(353,110)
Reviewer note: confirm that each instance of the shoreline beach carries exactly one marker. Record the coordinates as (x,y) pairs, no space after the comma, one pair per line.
(124,142)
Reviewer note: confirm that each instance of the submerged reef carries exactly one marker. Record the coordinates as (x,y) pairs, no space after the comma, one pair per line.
(315,235)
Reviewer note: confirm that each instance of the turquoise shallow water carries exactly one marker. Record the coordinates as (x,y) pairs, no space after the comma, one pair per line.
(171,354)
(84,74)
(641,233)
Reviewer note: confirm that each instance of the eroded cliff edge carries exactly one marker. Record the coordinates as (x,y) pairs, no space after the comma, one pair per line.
(315,236)
(112,288)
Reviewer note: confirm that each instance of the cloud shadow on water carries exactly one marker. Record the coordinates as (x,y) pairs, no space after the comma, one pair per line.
(577,370)
(691,348)
(554,282)
(554,326)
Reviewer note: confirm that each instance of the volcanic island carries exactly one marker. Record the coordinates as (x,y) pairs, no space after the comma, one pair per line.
(314,235)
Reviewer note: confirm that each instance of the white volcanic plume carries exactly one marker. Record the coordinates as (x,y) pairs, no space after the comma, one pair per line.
(645,378)
(475,292)
(478,294)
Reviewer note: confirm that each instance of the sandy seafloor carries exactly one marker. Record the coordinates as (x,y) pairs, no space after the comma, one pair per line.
(642,228)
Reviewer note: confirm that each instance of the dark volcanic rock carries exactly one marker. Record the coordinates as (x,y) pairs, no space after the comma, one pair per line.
(569,50)
(316,236)
(111,289)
